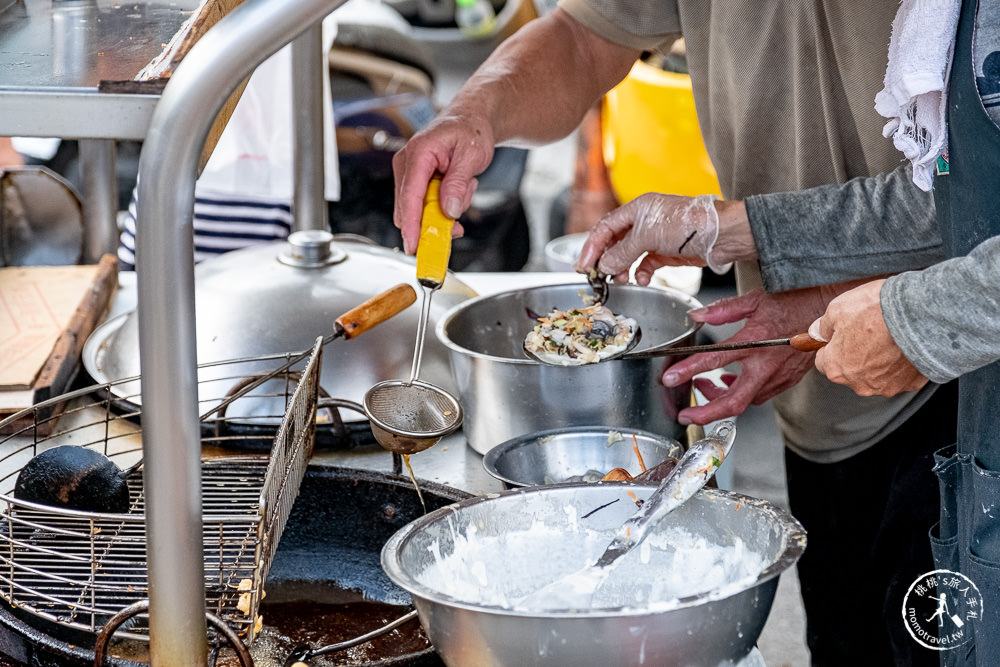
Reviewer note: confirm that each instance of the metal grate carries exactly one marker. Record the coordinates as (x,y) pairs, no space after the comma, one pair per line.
(77,569)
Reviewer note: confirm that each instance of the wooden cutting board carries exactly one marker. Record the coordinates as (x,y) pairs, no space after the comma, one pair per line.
(46,314)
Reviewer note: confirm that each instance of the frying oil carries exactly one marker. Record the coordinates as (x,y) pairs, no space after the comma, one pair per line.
(318,623)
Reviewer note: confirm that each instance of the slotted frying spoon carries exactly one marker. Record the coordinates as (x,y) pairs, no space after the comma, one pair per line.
(692,472)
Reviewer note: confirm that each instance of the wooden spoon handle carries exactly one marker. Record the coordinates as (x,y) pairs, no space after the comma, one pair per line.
(805,342)
(375,310)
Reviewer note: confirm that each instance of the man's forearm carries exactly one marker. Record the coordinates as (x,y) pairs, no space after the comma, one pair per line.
(537,85)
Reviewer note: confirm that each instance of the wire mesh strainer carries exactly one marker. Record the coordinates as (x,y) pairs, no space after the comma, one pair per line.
(409,416)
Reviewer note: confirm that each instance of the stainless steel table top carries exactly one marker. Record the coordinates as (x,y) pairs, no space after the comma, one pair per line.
(79,43)
(55,53)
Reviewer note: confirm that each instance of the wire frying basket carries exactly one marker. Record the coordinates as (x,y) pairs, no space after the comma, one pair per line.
(78,569)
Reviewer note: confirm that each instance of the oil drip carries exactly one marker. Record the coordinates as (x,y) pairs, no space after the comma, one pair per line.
(413,478)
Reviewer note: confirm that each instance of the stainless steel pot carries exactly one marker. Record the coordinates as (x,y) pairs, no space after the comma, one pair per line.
(505,394)
(713,626)
(277,298)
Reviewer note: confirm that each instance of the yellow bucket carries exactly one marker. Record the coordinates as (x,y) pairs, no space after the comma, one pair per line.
(651,139)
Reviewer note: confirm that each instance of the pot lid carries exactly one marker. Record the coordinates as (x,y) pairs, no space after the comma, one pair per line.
(277,298)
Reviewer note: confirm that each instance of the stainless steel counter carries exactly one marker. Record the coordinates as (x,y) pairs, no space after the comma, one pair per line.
(56,53)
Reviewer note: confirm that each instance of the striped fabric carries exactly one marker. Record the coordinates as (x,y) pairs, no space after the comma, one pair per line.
(221,223)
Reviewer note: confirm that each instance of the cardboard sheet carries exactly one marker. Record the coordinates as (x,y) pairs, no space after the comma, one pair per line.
(37,304)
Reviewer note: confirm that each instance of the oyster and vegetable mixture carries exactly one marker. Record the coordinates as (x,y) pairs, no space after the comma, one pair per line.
(578,336)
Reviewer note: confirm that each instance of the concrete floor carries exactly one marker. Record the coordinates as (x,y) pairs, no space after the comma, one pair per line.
(757,461)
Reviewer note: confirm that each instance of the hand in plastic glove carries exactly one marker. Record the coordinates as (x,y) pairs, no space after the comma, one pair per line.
(673,230)
(861,352)
(453,144)
(765,372)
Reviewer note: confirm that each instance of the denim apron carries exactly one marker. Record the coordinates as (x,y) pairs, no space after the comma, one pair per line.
(967,539)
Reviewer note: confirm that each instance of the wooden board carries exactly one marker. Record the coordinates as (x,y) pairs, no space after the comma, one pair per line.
(160,68)
(46,314)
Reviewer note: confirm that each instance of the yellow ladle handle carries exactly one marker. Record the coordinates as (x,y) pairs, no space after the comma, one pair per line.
(434,248)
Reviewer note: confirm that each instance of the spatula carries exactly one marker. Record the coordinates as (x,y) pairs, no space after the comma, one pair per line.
(691,473)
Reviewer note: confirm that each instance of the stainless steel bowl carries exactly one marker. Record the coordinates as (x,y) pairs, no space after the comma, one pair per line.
(719,626)
(555,455)
(505,394)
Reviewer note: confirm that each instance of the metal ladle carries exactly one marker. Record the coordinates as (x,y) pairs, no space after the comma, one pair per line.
(802,342)
(599,283)
(409,416)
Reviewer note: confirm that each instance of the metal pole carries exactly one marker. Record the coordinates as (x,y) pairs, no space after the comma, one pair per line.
(213,68)
(309,200)
(100,198)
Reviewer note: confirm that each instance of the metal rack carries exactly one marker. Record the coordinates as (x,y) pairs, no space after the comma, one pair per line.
(78,569)
(174,127)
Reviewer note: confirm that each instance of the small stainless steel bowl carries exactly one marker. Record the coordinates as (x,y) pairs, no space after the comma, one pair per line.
(568,454)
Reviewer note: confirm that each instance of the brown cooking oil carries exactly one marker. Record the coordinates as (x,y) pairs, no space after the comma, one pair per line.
(289,624)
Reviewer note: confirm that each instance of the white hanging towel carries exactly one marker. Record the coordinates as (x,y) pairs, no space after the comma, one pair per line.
(916,81)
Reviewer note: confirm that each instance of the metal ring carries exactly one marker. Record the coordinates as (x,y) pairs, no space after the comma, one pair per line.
(101,643)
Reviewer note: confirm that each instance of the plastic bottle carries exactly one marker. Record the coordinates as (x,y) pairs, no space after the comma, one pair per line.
(475,18)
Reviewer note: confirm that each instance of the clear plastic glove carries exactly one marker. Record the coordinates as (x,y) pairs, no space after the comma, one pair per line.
(764,372)
(673,230)
(861,352)
(454,144)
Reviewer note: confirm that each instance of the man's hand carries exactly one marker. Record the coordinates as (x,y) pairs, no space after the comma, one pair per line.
(861,352)
(673,230)
(453,144)
(765,372)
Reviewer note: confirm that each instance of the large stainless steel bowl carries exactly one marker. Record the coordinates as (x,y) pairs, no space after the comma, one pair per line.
(505,394)
(555,455)
(711,627)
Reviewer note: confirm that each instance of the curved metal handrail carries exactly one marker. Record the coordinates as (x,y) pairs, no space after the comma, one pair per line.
(208,75)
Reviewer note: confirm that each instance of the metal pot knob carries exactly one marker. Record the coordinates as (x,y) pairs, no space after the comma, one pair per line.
(311,248)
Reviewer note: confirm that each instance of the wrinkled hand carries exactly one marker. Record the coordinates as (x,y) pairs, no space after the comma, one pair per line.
(674,230)
(457,145)
(765,372)
(861,352)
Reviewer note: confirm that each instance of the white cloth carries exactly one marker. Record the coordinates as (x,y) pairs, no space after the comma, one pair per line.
(916,82)
(254,153)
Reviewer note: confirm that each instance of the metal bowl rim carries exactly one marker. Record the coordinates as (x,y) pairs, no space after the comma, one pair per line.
(440,329)
(490,458)
(794,547)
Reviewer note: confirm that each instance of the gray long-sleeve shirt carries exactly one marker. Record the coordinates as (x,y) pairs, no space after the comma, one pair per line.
(945,319)
(885,225)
